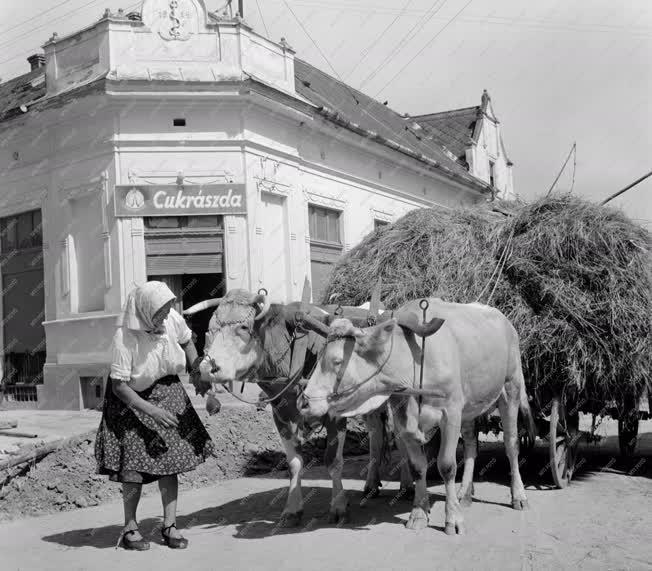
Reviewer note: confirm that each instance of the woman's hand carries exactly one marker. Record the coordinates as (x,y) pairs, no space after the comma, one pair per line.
(163,417)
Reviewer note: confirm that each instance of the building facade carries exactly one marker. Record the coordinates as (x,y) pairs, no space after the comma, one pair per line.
(179,145)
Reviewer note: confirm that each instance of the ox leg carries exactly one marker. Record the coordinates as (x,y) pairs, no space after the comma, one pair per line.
(509,413)
(470,437)
(403,422)
(447,465)
(293,511)
(376,432)
(334,460)
(407,479)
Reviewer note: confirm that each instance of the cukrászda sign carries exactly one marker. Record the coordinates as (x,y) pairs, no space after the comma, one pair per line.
(173,200)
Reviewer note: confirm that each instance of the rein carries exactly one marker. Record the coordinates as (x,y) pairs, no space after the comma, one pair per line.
(295,372)
(352,390)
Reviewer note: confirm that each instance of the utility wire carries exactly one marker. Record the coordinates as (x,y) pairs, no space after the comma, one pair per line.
(424,47)
(409,36)
(49,23)
(28,20)
(379,37)
(17,55)
(321,52)
(263,19)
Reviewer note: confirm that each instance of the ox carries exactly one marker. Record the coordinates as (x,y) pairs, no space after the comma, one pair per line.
(472,364)
(249,339)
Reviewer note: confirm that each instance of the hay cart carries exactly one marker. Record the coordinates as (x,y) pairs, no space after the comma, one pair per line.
(556,417)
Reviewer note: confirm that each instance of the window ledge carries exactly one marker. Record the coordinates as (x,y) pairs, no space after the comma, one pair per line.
(333,245)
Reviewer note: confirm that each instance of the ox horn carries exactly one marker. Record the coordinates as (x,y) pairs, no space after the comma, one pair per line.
(312,323)
(261,298)
(203,305)
(411,322)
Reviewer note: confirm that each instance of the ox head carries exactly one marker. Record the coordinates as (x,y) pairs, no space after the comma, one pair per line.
(232,349)
(235,345)
(360,368)
(352,376)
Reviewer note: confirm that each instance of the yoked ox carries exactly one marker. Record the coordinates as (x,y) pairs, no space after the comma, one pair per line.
(164,201)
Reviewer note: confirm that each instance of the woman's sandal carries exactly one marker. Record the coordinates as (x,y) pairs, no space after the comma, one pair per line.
(133,545)
(173,542)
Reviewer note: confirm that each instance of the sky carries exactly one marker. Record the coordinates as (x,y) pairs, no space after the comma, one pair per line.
(558,72)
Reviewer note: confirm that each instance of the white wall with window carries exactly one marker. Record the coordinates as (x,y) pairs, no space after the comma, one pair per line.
(326,246)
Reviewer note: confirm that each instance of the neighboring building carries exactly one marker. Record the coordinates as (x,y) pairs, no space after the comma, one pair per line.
(473,138)
(179,145)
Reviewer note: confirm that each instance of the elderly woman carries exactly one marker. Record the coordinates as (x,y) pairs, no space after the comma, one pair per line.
(149,430)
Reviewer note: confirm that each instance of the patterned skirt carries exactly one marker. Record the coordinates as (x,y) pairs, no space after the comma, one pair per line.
(132,447)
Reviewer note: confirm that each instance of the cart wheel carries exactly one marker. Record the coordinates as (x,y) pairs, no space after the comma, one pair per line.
(628,428)
(526,444)
(564,436)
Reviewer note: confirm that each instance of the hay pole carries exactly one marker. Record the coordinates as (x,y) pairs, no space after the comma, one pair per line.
(632,185)
(562,169)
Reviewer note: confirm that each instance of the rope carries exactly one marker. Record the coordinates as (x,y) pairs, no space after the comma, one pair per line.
(266,401)
(498,268)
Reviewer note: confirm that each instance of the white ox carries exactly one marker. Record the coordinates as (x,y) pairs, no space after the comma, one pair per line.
(472,364)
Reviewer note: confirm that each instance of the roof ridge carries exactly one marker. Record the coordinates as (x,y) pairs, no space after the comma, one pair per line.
(449,112)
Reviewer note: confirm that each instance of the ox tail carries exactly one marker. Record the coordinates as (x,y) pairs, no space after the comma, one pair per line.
(526,413)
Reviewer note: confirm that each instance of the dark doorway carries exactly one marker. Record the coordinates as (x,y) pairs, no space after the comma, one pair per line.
(197,288)
(191,289)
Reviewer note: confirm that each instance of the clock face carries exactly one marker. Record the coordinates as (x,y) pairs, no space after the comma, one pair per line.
(134,199)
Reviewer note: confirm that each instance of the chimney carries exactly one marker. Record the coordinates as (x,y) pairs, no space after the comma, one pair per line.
(36,61)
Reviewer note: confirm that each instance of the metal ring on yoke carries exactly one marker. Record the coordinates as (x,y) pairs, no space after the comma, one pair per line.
(424,304)
(339,311)
(263,291)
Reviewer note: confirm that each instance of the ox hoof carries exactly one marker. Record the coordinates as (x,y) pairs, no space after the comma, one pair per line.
(291,519)
(520,505)
(407,493)
(418,519)
(466,501)
(338,516)
(454,528)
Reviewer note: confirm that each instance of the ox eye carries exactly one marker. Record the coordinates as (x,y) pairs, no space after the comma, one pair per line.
(337,362)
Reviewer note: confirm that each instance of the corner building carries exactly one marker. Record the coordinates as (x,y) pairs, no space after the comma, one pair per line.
(180,145)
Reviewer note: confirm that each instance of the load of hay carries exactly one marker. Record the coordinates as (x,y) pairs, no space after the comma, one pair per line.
(573,277)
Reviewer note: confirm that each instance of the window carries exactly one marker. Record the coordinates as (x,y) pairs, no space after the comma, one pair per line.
(162,222)
(324,224)
(492,173)
(325,246)
(166,222)
(86,230)
(380,224)
(21,231)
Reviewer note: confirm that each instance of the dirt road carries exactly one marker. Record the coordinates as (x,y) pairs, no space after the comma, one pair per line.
(603,521)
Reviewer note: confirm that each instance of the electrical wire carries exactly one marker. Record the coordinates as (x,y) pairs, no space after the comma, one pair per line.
(323,55)
(428,44)
(262,19)
(403,42)
(366,51)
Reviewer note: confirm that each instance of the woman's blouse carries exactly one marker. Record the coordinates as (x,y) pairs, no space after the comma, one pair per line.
(140,358)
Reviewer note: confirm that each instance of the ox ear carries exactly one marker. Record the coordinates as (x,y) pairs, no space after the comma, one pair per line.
(375,338)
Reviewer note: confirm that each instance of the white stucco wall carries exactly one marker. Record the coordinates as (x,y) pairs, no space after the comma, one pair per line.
(75,151)
(489,148)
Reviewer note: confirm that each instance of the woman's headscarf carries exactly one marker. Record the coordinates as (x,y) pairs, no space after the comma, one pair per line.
(142,305)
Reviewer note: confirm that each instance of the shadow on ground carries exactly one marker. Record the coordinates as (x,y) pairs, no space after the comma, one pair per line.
(258,515)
